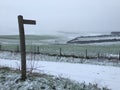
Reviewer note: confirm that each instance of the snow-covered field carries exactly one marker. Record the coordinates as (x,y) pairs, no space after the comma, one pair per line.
(105,74)
(40,57)
(102,75)
(53,44)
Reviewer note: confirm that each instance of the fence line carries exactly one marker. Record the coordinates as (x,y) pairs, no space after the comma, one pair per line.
(36,50)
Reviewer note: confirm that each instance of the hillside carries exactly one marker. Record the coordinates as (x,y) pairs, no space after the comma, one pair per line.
(95,39)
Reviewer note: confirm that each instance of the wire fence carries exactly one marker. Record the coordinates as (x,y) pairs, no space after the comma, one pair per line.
(61,51)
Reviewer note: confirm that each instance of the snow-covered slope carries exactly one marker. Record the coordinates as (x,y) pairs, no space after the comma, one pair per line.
(95,39)
(102,75)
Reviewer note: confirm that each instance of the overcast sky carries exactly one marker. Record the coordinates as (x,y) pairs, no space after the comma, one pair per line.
(92,16)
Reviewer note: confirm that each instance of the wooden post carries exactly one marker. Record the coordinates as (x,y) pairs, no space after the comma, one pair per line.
(38,49)
(86,53)
(17,48)
(119,56)
(0,46)
(60,51)
(22,47)
(98,55)
(21,23)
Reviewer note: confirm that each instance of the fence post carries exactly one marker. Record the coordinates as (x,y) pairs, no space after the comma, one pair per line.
(98,55)
(34,51)
(119,56)
(38,49)
(17,48)
(60,51)
(0,46)
(86,52)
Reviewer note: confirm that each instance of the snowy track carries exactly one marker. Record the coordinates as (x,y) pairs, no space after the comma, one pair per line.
(102,75)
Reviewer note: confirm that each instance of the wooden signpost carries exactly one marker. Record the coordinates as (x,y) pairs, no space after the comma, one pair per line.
(21,23)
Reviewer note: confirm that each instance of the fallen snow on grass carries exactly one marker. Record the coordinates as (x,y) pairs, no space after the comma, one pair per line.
(40,57)
(102,75)
(10,80)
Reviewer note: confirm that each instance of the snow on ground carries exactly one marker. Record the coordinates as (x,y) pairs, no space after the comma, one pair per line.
(10,80)
(40,57)
(102,75)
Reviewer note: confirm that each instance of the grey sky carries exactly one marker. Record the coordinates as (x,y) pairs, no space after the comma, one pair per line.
(61,15)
